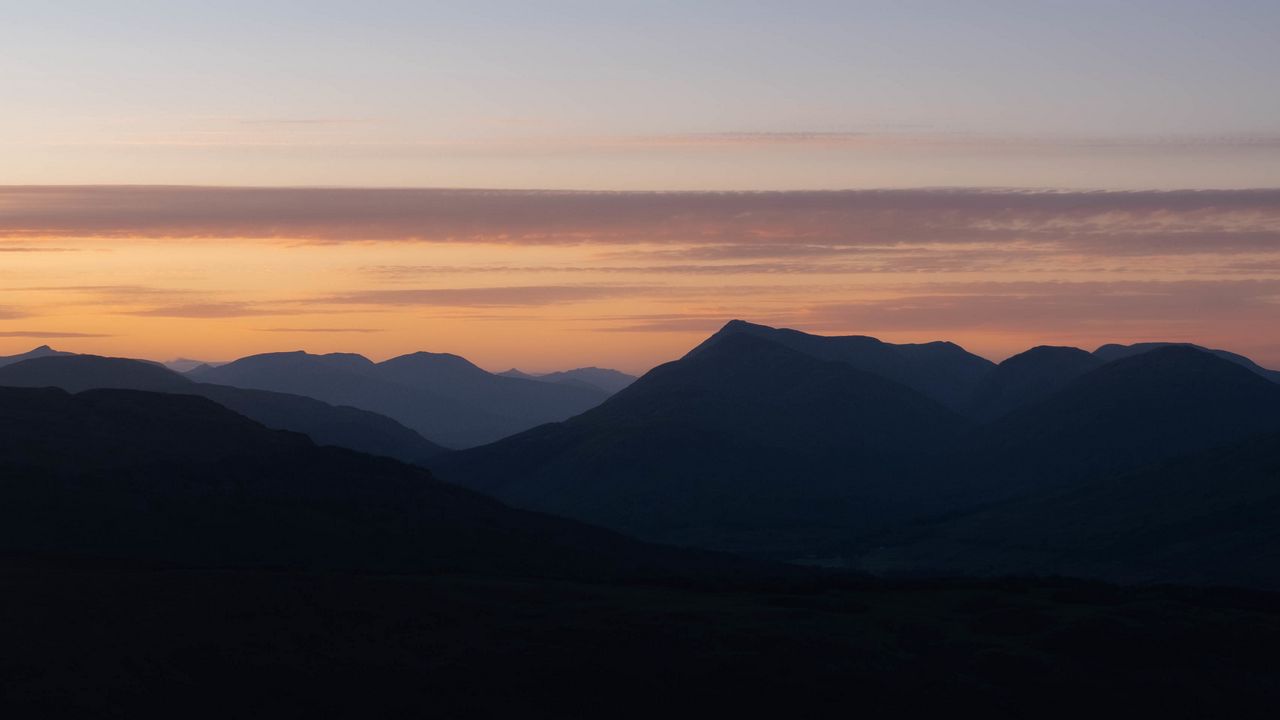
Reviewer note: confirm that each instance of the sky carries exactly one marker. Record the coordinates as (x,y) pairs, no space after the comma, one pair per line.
(211,179)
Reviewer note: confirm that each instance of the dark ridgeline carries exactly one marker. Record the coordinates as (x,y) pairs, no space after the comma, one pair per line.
(325,424)
(943,371)
(610,381)
(742,444)
(160,551)
(42,351)
(751,445)
(178,480)
(1027,377)
(444,397)
(1116,351)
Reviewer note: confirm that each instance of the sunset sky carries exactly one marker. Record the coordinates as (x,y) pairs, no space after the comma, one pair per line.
(210,180)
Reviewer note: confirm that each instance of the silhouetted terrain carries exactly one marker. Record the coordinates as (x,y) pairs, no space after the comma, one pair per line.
(1127,414)
(158,550)
(444,397)
(743,443)
(42,351)
(1026,378)
(1211,517)
(178,479)
(1115,352)
(610,381)
(940,370)
(325,424)
(751,446)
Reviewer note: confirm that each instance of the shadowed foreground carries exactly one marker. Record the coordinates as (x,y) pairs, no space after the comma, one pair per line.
(113,642)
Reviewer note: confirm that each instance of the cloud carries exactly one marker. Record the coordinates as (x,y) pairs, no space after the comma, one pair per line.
(321,330)
(49,334)
(211,310)
(1145,222)
(517,296)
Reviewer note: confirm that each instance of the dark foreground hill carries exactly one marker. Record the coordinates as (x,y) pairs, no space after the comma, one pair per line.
(161,554)
(442,396)
(325,424)
(1211,517)
(177,479)
(742,444)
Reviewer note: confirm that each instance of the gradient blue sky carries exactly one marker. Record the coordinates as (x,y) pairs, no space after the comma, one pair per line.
(642,95)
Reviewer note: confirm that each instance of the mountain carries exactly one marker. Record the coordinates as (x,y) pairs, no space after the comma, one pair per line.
(1208,518)
(42,351)
(154,547)
(177,479)
(185,365)
(1116,351)
(943,371)
(1028,377)
(325,424)
(742,444)
(1128,413)
(442,396)
(610,381)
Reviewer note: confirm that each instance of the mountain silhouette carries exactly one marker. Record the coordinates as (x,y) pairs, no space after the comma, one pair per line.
(180,480)
(1128,413)
(610,381)
(742,443)
(444,397)
(1209,518)
(325,424)
(943,371)
(1027,377)
(1117,351)
(42,351)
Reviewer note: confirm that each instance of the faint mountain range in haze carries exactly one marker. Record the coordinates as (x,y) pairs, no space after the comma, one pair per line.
(610,381)
(325,424)
(42,351)
(185,365)
(442,396)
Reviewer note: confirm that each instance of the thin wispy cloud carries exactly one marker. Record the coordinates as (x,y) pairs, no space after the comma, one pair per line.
(49,334)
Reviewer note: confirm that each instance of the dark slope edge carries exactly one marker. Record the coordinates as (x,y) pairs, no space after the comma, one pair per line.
(442,396)
(1116,351)
(1027,378)
(1211,517)
(1124,415)
(742,444)
(325,424)
(943,371)
(177,479)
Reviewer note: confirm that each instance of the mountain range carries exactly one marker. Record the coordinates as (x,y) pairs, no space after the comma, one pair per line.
(444,397)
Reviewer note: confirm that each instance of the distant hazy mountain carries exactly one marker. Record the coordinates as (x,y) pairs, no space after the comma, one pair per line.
(151,477)
(1116,351)
(1211,517)
(325,424)
(442,396)
(610,381)
(741,444)
(184,365)
(943,371)
(42,351)
(1028,377)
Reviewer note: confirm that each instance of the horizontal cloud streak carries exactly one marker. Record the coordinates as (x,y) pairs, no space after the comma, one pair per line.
(1180,221)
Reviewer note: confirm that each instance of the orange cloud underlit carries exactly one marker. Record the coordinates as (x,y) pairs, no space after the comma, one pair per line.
(546,280)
